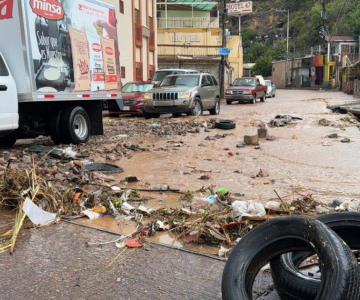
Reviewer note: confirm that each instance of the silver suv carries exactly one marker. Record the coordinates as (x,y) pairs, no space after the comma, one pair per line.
(184,93)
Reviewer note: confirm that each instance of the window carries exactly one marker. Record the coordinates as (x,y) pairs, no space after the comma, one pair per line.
(209,79)
(3,69)
(214,80)
(205,81)
(121,6)
(151,24)
(123,72)
(137,17)
(181,80)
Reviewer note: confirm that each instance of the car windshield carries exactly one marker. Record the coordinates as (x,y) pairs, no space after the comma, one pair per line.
(268,82)
(182,80)
(137,88)
(245,82)
(160,75)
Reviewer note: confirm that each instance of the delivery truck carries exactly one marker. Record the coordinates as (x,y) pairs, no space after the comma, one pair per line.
(59,61)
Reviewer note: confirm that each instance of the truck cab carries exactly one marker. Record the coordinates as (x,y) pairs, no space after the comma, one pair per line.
(9,117)
(56,70)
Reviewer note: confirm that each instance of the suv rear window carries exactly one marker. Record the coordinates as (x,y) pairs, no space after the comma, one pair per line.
(3,69)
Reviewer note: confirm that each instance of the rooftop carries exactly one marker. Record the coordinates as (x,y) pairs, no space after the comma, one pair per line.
(340,38)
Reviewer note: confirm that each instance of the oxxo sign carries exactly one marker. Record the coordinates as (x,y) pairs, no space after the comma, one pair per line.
(6,9)
(239,8)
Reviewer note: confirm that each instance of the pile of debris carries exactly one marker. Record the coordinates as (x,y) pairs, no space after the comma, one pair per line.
(162,127)
(207,217)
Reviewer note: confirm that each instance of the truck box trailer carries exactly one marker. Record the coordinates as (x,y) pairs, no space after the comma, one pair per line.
(59,61)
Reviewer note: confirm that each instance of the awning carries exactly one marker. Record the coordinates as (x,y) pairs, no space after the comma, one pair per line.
(196,4)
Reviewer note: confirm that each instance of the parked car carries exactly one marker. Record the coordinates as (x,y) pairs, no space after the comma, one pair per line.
(246,89)
(160,75)
(133,98)
(271,89)
(184,93)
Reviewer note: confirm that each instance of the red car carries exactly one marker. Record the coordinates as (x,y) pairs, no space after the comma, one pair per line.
(246,89)
(133,98)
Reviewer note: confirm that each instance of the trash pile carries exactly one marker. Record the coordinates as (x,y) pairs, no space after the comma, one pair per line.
(50,193)
(289,244)
(162,127)
(284,120)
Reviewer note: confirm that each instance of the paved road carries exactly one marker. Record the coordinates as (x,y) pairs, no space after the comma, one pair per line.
(54,262)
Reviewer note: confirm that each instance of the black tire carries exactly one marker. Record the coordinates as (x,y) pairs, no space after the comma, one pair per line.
(263,99)
(338,265)
(8,141)
(225,124)
(197,108)
(71,130)
(289,281)
(228,102)
(216,110)
(151,115)
(55,128)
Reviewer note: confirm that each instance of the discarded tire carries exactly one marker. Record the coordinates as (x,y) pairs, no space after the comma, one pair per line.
(290,283)
(269,240)
(225,124)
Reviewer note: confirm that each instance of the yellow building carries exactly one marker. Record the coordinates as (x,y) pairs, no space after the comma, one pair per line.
(189,36)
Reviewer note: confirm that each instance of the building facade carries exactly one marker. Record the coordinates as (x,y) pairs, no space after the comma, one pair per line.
(189,36)
(136,29)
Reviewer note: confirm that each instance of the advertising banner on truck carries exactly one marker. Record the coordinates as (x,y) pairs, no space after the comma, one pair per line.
(66,38)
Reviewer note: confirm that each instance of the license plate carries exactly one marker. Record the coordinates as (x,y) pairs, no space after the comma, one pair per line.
(126,108)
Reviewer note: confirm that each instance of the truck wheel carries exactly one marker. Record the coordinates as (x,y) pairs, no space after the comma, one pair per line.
(216,109)
(228,102)
(8,141)
(75,127)
(262,99)
(55,128)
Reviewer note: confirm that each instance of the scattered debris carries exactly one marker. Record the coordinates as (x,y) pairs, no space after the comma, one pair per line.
(284,120)
(325,122)
(262,133)
(37,215)
(103,168)
(251,140)
(248,209)
(345,140)
(333,136)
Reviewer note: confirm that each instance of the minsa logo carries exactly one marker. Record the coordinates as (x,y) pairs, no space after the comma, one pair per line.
(6,9)
(96,47)
(48,9)
(109,51)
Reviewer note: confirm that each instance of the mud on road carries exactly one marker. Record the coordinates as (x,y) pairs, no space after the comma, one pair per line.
(184,154)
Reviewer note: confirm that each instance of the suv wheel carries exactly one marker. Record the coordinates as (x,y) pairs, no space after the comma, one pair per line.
(197,109)
(253,101)
(216,109)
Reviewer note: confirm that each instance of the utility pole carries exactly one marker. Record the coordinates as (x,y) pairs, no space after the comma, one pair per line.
(223,45)
(287,49)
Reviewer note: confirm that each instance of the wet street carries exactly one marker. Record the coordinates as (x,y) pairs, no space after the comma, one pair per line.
(55,262)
